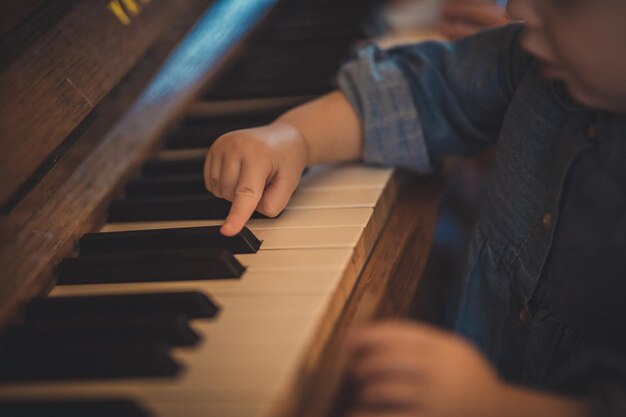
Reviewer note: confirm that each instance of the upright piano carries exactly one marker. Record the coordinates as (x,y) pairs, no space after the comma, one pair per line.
(118,297)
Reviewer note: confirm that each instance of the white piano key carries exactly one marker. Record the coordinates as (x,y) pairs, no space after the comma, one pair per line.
(251,283)
(301,238)
(321,217)
(348,176)
(334,198)
(297,259)
(289,219)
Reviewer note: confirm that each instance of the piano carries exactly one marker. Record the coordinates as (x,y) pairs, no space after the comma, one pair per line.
(117,296)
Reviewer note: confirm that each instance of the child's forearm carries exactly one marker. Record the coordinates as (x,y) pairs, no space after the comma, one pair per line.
(330,128)
(515,401)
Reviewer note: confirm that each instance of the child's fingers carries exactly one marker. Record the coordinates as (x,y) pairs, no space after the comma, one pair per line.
(229,177)
(277,195)
(401,363)
(246,198)
(390,393)
(212,169)
(390,333)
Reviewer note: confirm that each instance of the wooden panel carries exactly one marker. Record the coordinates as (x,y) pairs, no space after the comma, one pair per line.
(58,80)
(72,198)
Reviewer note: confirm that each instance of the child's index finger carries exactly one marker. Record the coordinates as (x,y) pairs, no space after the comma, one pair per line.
(247,196)
(240,212)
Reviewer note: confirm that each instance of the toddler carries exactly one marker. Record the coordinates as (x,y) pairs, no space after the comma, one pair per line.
(539,325)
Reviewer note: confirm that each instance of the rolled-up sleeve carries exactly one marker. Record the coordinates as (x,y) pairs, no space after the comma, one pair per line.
(420,103)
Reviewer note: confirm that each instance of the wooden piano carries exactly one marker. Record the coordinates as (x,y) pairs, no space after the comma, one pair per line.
(107,108)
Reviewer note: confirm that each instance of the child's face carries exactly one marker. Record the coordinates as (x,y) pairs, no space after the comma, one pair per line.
(582,42)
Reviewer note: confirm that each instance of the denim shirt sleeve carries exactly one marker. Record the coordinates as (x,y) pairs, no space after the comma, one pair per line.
(419,103)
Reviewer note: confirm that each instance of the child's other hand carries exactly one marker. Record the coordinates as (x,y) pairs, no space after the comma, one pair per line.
(255,169)
(461,18)
(404,369)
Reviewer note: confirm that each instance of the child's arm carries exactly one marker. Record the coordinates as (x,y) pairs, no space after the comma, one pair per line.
(260,168)
(417,370)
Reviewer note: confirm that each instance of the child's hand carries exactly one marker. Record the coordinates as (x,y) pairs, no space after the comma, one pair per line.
(256,169)
(404,369)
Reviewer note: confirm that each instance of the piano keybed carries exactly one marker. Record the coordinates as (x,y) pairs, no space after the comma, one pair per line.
(270,318)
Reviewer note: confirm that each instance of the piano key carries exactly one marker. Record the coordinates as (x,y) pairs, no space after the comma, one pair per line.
(214,109)
(165,185)
(197,264)
(240,89)
(289,219)
(344,176)
(185,207)
(285,61)
(73,408)
(175,166)
(352,177)
(171,329)
(302,238)
(192,304)
(311,22)
(294,259)
(253,283)
(87,361)
(127,242)
(230,388)
(318,259)
(206,206)
(201,132)
(311,198)
(268,346)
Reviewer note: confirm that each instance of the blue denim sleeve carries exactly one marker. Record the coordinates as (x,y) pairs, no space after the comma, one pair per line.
(419,103)
(598,378)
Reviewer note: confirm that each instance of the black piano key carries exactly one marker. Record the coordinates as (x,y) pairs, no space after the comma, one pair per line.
(171,329)
(182,265)
(87,361)
(182,166)
(72,408)
(192,304)
(162,186)
(298,32)
(240,89)
(188,207)
(298,22)
(201,132)
(110,243)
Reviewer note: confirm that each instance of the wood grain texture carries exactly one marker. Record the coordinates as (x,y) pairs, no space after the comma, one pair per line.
(385,288)
(72,198)
(49,88)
